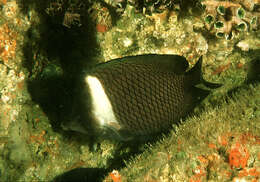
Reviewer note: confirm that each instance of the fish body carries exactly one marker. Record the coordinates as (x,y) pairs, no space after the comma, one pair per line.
(137,96)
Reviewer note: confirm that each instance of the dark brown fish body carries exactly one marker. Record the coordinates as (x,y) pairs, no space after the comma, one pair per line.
(140,95)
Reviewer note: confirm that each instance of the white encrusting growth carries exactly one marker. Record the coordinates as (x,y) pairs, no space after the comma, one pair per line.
(102,108)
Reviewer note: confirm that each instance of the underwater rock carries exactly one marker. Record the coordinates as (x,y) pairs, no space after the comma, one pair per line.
(226,18)
(251,43)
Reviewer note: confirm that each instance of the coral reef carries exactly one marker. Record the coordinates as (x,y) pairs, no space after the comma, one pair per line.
(146,6)
(226,19)
(7,43)
(154,6)
(45,44)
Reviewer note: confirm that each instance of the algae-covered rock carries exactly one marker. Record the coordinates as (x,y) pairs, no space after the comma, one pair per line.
(222,144)
(44,46)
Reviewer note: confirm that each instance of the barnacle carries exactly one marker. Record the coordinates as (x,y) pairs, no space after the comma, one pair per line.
(209,19)
(240,13)
(230,16)
(221,10)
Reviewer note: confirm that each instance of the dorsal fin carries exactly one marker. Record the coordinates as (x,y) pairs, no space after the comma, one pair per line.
(169,63)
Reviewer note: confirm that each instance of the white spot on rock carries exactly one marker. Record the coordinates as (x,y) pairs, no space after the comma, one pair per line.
(243,45)
(127,42)
(5,98)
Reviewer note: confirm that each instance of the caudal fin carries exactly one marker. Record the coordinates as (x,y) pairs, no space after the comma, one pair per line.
(195,73)
(253,71)
(196,76)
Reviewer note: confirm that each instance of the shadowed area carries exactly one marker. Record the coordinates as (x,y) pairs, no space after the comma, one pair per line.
(55,55)
(82,174)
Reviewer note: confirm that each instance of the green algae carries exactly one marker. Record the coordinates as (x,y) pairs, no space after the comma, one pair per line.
(191,139)
(32,145)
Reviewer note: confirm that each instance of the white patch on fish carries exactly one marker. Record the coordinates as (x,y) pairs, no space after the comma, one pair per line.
(101,106)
